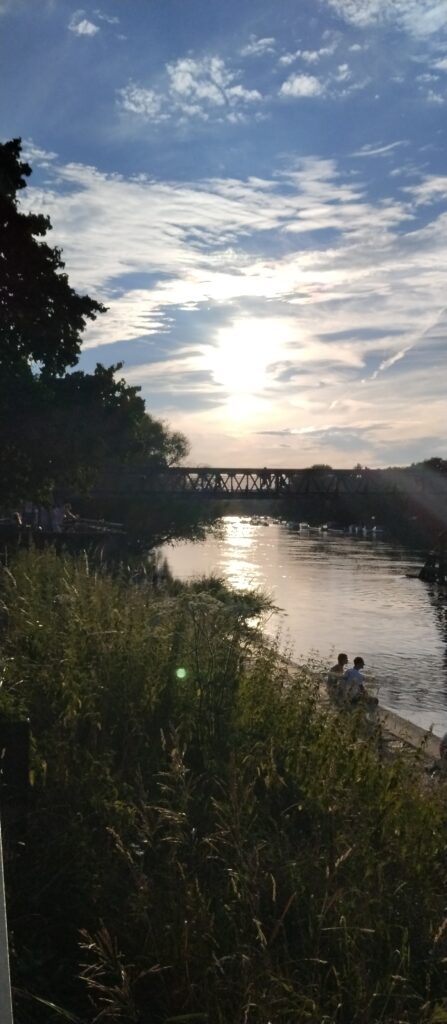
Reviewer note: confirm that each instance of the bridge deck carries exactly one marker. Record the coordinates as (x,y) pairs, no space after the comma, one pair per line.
(270,483)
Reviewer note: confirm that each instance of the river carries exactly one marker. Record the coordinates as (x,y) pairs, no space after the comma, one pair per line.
(338,593)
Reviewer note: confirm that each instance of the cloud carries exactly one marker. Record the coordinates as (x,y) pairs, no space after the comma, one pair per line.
(343,73)
(348,434)
(36,154)
(219,273)
(432,189)
(361,12)
(441,64)
(387,363)
(110,19)
(145,102)
(208,81)
(380,150)
(434,97)
(289,58)
(308,56)
(421,18)
(200,89)
(302,86)
(427,77)
(335,85)
(258,47)
(82,26)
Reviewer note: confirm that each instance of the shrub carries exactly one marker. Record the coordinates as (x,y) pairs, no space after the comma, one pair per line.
(206,840)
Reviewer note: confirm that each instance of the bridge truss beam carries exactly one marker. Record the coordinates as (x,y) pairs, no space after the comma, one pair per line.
(226,483)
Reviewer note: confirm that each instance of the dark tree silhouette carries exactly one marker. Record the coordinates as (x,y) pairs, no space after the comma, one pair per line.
(42,317)
(58,429)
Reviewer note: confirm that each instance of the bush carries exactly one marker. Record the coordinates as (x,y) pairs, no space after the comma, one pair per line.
(206,840)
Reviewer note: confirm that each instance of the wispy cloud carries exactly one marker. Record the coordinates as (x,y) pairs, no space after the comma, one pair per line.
(421,18)
(258,47)
(36,154)
(294,323)
(81,26)
(387,363)
(204,88)
(435,97)
(110,19)
(432,189)
(378,149)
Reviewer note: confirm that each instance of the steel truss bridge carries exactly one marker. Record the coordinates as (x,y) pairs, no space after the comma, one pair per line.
(226,483)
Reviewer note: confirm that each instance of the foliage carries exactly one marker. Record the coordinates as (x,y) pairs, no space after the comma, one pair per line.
(58,428)
(60,432)
(154,520)
(226,848)
(42,316)
(436,464)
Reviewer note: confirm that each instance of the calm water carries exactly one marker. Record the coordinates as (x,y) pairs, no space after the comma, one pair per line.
(339,593)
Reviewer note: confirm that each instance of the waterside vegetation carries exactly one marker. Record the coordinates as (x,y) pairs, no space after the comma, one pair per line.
(205,841)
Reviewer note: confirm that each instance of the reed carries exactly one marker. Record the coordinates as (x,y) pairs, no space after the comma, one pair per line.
(206,841)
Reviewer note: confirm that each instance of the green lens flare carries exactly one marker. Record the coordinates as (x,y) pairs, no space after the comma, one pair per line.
(181,673)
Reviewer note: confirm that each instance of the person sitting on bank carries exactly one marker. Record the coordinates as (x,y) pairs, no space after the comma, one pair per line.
(336,672)
(429,570)
(57,518)
(353,685)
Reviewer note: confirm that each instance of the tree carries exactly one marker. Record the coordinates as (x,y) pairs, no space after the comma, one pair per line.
(436,463)
(57,428)
(42,317)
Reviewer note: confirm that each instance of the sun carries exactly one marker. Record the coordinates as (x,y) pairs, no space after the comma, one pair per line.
(242,361)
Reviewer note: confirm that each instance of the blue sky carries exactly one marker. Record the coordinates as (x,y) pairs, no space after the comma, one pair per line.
(258,192)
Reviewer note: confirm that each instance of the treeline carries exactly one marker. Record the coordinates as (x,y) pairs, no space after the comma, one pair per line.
(205,842)
(59,426)
(412,510)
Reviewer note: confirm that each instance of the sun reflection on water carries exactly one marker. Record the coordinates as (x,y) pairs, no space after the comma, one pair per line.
(337,593)
(239,536)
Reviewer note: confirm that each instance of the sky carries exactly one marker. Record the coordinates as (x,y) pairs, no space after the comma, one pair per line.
(257,191)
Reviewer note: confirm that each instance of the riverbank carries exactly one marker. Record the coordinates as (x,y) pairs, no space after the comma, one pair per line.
(203,837)
(339,594)
(398,736)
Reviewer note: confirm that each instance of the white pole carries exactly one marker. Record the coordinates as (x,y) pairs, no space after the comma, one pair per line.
(5,980)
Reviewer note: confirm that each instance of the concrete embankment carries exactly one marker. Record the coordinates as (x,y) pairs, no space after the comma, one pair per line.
(407,734)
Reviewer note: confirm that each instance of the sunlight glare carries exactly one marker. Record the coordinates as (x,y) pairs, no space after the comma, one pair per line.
(240,361)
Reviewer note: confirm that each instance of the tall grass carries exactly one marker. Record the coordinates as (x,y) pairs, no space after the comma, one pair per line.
(207,841)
